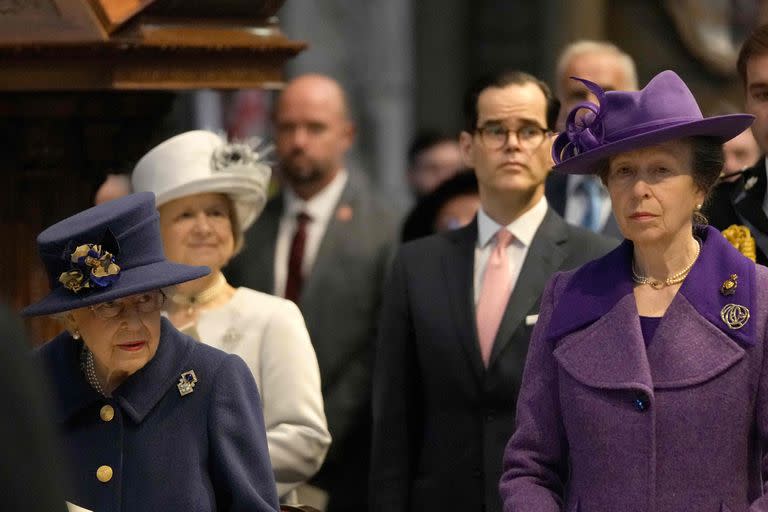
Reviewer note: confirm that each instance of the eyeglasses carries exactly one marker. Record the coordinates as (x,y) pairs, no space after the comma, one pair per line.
(145,303)
(496,136)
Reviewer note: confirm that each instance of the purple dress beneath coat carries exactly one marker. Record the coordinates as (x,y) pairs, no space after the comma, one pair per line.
(606,424)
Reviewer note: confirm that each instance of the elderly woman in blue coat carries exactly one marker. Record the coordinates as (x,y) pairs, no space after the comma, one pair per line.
(646,384)
(149,418)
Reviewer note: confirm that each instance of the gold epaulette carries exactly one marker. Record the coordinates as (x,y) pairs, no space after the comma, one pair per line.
(741,239)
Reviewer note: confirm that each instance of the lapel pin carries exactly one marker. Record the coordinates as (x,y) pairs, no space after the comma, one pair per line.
(187,382)
(344,213)
(734,315)
(730,285)
(750,183)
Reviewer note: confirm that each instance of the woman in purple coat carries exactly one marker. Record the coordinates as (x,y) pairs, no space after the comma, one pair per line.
(646,385)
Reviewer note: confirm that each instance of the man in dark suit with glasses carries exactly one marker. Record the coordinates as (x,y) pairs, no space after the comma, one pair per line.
(459,308)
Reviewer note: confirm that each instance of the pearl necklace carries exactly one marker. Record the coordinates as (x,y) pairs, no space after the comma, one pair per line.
(204,297)
(673,279)
(90,371)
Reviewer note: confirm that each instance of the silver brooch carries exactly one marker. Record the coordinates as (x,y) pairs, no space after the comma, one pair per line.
(750,183)
(187,382)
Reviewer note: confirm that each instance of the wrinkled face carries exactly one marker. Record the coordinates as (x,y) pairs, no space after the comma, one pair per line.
(457,212)
(740,152)
(123,334)
(513,167)
(312,132)
(653,192)
(433,166)
(757,98)
(604,69)
(197,230)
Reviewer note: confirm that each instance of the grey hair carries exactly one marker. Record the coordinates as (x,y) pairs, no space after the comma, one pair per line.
(585,46)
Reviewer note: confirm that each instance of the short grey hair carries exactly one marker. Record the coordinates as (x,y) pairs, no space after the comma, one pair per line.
(585,46)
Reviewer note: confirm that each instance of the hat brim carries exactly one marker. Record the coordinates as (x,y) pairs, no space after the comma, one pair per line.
(723,127)
(247,194)
(131,281)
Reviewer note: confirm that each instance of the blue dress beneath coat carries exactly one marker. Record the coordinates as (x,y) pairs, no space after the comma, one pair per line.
(204,451)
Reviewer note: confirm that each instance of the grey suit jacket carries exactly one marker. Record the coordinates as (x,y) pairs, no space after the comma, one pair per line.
(441,419)
(340,303)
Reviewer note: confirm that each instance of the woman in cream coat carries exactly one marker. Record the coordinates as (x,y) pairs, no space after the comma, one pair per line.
(208,193)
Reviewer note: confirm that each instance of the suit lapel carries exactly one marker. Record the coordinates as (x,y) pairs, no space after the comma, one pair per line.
(335,241)
(459,268)
(544,257)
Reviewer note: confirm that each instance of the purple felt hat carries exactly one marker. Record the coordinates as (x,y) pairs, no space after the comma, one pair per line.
(104,253)
(623,121)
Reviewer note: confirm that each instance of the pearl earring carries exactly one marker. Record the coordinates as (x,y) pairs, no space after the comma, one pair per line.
(698,207)
(76,334)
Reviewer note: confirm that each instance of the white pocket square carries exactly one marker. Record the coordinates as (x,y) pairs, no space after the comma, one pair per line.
(531,319)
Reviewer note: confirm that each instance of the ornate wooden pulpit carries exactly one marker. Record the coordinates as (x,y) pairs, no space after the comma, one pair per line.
(85,87)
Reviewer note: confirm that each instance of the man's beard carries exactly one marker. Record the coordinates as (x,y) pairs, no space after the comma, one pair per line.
(301,174)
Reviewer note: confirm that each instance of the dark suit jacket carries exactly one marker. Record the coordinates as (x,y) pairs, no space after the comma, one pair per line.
(741,202)
(340,303)
(204,451)
(441,419)
(30,478)
(556,190)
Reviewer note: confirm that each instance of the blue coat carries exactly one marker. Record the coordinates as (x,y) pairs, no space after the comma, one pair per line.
(204,451)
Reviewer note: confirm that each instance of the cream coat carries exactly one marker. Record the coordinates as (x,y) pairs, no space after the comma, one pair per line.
(269,334)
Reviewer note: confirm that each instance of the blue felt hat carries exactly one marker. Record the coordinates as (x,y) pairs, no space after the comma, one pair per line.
(104,253)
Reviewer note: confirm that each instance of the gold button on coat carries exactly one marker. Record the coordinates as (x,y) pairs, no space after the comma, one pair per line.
(107,413)
(104,474)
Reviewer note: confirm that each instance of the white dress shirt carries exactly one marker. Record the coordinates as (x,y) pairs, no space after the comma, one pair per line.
(576,201)
(523,229)
(320,208)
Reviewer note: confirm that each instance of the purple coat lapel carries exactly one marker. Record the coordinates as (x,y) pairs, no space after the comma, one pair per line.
(600,284)
(596,324)
(687,350)
(609,353)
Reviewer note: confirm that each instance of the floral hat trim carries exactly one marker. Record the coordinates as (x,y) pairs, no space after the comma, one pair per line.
(584,130)
(243,157)
(92,266)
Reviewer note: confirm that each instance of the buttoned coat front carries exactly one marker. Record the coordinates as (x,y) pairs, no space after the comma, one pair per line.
(201,451)
(606,424)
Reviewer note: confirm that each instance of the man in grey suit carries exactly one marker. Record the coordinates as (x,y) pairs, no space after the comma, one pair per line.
(325,243)
(581,198)
(459,308)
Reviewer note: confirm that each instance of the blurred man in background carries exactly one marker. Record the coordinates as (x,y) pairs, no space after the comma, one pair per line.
(744,201)
(325,243)
(582,199)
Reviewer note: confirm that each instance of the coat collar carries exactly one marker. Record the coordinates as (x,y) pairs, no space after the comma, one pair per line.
(598,286)
(139,393)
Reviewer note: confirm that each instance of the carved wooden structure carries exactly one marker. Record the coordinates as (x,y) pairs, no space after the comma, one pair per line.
(85,86)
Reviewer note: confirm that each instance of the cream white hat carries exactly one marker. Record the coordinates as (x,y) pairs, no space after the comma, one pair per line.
(199,162)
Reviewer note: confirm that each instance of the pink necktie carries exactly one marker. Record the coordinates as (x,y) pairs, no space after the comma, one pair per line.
(494,294)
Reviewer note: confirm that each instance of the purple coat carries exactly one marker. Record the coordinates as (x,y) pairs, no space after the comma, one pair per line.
(606,425)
